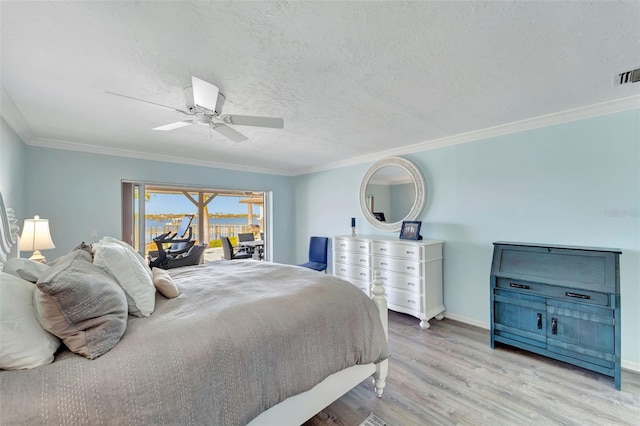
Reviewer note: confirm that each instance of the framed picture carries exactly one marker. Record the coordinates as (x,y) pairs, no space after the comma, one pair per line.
(379,216)
(410,230)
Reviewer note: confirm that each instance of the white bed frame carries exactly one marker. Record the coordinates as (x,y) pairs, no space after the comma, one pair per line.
(294,410)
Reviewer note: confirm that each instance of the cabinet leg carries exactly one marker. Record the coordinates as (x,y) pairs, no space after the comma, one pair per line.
(424,324)
(439,317)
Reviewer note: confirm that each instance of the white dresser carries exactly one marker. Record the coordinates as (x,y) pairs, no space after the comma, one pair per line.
(411,271)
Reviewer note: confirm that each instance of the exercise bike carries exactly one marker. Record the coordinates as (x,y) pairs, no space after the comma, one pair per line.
(182,252)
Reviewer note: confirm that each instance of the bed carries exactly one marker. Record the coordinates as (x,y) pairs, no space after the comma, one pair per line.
(245,342)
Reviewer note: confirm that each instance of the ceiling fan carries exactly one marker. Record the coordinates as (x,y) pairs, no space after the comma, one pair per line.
(204,104)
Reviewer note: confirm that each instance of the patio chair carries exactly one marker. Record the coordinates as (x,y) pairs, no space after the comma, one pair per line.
(230,253)
(317,254)
(246,237)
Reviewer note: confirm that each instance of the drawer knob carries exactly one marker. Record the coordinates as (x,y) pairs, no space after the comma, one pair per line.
(522,286)
(578,295)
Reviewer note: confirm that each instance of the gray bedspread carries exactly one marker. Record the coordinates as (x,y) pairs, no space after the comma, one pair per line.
(240,338)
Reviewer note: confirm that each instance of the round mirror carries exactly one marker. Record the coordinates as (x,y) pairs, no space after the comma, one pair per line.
(392,190)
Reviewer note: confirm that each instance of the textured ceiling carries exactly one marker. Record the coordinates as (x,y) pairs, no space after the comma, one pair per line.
(349,78)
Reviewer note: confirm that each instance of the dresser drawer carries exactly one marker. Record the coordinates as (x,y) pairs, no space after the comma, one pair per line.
(396,265)
(405,299)
(344,244)
(561,293)
(408,283)
(354,272)
(352,258)
(406,251)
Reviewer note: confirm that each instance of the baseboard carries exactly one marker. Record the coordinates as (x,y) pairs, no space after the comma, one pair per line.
(467,320)
(633,367)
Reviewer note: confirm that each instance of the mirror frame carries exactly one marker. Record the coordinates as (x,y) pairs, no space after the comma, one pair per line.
(418,202)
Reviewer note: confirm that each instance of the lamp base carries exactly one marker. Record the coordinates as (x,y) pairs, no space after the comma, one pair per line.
(38,257)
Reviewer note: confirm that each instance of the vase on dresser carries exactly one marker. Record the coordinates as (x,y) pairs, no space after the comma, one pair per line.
(410,271)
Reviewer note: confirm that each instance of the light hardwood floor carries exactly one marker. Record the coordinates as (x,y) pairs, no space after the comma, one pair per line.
(448,375)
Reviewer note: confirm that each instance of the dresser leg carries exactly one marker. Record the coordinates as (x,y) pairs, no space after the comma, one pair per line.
(424,324)
(439,317)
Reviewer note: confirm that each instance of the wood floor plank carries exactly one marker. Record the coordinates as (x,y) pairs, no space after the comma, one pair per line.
(449,375)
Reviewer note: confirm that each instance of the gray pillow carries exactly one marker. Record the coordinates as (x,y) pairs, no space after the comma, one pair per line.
(81,304)
(25,268)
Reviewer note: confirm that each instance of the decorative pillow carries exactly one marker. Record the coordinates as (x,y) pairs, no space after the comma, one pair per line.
(130,270)
(26,269)
(164,283)
(82,305)
(23,342)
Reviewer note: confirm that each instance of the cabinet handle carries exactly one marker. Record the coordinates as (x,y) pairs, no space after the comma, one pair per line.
(411,301)
(383,264)
(410,252)
(554,326)
(363,260)
(410,268)
(383,249)
(362,274)
(514,285)
(343,257)
(578,295)
(363,247)
(539,321)
(411,284)
(343,270)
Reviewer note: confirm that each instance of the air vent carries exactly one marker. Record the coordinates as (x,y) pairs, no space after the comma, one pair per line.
(627,77)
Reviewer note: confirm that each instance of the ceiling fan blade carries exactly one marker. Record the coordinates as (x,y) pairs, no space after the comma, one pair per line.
(175,125)
(205,94)
(229,133)
(147,102)
(248,120)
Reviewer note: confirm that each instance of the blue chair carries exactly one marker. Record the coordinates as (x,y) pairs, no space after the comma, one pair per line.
(317,254)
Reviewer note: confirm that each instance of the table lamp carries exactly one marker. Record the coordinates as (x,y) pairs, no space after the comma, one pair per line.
(36,236)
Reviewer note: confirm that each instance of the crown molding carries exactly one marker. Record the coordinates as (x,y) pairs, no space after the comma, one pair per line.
(93,149)
(20,126)
(576,114)
(11,114)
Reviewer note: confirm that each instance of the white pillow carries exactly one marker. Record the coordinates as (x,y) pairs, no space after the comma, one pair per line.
(26,269)
(23,342)
(131,272)
(164,283)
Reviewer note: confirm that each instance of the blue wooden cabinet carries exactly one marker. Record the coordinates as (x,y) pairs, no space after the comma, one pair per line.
(558,301)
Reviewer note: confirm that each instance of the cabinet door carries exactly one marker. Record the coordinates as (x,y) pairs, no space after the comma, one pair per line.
(520,317)
(581,331)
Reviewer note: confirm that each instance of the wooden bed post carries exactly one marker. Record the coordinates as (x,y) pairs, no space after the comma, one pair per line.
(382,368)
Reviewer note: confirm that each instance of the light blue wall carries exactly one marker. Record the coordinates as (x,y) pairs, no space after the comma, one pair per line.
(575,184)
(13,169)
(79,192)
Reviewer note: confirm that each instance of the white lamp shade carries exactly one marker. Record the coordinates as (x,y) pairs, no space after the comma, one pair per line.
(36,235)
